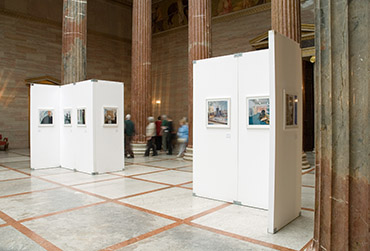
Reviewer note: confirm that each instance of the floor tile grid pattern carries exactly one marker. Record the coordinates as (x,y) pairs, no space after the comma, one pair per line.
(186,221)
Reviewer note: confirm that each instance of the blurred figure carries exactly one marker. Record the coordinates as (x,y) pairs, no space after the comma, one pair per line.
(169,135)
(150,137)
(164,132)
(129,134)
(182,136)
(158,138)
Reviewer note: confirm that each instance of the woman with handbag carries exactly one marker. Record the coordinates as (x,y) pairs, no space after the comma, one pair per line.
(182,137)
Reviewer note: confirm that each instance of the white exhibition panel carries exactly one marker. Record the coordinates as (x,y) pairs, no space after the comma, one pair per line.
(90,147)
(44,139)
(286,144)
(215,149)
(109,140)
(254,143)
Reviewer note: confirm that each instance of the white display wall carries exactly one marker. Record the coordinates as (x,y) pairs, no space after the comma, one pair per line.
(236,159)
(92,147)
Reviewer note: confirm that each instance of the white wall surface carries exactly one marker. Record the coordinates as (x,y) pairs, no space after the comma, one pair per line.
(254,143)
(286,144)
(44,140)
(215,151)
(108,141)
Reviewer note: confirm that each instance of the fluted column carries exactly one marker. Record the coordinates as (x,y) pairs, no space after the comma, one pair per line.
(286,18)
(199,46)
(141,84)
(342,125)
(74,41)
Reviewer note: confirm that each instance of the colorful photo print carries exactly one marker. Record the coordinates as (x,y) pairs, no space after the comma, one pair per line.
(81,116)
(218,113)
(110,116)
(258,109)
(46,117)
(67,117)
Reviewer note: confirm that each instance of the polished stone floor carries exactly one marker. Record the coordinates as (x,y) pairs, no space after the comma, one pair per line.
(148,206)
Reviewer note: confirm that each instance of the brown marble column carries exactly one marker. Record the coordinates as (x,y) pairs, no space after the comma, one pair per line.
(286,18)
(141,84)
(74,41)
(342,125)
(199,46)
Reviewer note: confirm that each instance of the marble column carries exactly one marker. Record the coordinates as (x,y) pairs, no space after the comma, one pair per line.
(286,18)
(141,84)
(342,125)
(74,41)
(199,46)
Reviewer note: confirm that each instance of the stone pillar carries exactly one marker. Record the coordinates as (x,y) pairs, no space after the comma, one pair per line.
(199,46)
(286,18)
(74,41)
(342,125)
(141,83)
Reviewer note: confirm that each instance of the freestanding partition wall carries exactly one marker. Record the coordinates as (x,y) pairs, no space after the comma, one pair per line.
(86,133)
(247,129)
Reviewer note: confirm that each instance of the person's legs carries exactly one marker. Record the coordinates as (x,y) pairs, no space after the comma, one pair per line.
(164,141)
(148,145)
(129,147)
(181,149)
(154,147)
(169,144)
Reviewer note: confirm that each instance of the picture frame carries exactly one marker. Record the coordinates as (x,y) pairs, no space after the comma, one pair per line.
(218,112)
(81,116)
(258,112)
(67,117)
(46,117)
(110,116)
(290,110)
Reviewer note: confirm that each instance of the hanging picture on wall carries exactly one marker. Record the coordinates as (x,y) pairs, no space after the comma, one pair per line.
(67,117)
(258,112)
(81,116)
(218,113)
(110,116)
(46,117)
(290,110)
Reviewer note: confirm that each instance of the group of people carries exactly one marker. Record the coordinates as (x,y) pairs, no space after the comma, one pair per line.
(160,136)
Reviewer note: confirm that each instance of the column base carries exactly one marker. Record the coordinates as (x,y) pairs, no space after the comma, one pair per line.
(188,154)
(139,149)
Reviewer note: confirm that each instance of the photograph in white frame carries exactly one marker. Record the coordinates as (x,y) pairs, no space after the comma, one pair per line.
(67,117)
(218,112)
(258,112)
(290,110)
(81,116)
(46,116)
(110,116)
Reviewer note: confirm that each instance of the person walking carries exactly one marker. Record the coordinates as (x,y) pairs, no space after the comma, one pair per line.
(150,136)
(169,135)
(158,138)
(129,134)
(164,132)
(182,137)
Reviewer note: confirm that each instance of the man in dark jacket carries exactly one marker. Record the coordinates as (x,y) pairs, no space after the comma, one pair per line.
(129,134)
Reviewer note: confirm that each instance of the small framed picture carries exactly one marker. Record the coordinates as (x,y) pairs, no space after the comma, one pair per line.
(46,117)
(258,112)
(110,116)
(81,116)
(290,110)
(218,112)
(67,117)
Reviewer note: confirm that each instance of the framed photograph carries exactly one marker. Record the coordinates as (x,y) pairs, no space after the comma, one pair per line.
(218,112)
(67,117)
(290,110)
(110,116)
(258,112)
(81,116)
(46,117)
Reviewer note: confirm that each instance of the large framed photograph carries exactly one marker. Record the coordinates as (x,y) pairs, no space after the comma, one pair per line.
(258,112)
(218,112)
(81,116)
(67,117)
(110,116)
(46,117)
(290,110)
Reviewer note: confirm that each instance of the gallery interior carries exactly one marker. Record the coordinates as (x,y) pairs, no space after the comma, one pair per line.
(157,49)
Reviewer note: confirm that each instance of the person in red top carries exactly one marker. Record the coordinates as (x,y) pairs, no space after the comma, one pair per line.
(158,138)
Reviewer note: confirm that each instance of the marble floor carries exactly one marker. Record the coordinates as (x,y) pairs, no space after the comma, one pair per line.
(148,206)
